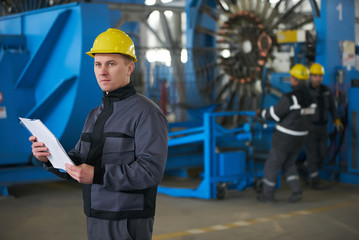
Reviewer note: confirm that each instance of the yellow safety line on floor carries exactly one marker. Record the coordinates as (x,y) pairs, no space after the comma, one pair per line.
(249,222)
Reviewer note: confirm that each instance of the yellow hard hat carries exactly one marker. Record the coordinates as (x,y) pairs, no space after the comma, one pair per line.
(299,71)
(113,41)
(316,69)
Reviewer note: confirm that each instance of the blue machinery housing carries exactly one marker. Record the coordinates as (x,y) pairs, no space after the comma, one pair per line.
(45,74)
(221,170)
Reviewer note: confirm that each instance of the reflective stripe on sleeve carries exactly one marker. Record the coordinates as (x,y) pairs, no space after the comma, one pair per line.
(295,103)
(264,113)
(272,113)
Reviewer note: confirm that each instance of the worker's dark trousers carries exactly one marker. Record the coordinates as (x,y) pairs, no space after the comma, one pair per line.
(126,229)
(276,160)
(316,146)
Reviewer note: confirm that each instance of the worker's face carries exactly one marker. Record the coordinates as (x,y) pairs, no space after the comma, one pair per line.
(112,71)
(317,79)
(293,81)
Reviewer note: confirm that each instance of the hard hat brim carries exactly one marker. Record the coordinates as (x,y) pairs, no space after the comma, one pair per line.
(92,54)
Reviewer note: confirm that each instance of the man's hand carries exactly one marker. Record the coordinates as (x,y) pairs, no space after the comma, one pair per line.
(39,150)
(82,173)
(338,125)
(259,118)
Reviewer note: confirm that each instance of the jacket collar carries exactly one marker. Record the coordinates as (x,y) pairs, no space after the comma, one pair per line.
(299,86)
(121,93)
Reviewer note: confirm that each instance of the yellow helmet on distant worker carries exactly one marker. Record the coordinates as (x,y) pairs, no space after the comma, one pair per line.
(299,71)
(113,41)
(316,69)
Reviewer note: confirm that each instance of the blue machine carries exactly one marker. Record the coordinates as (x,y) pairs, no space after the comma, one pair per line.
(221,170)
(45,74)
(335,26)
(351,175)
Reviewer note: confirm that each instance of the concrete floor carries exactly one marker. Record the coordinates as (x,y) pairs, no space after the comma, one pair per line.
(53,210)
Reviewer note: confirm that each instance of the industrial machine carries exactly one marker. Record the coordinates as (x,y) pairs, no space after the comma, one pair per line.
(229,44)
(232,46)
(232,42)
(238,55)
(335,49)
(222,166)
(45,75)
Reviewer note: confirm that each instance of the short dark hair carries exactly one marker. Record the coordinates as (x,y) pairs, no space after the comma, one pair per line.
(127,57)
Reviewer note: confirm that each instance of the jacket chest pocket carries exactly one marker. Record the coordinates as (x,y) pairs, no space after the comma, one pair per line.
(85,144)
(118,150)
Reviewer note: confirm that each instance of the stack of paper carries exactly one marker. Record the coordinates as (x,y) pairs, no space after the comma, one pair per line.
(58,156)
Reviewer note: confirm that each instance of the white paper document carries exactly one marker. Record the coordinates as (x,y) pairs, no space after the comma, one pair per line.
(58,156)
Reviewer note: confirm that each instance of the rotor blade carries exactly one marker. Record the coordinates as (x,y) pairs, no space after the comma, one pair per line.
(223,6)
(274,14)
(209,11)
(222,90)
(211,85)
(244,5)
(308,19)
(266,6)
(232,97)
(213,33)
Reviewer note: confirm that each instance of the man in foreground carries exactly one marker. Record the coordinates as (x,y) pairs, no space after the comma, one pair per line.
(121,155)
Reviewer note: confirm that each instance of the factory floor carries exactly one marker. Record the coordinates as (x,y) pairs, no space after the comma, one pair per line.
(53,210)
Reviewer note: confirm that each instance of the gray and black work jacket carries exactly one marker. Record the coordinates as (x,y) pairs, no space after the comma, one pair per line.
(125,139)
(292,112)
(325,105)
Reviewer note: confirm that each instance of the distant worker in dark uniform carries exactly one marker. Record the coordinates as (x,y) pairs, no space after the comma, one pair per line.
(292,113)
(316,144)
(121,155)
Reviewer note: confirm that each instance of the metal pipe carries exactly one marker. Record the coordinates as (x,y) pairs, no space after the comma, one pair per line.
(286,15)
(141,8)
(156,34)
(315,8)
